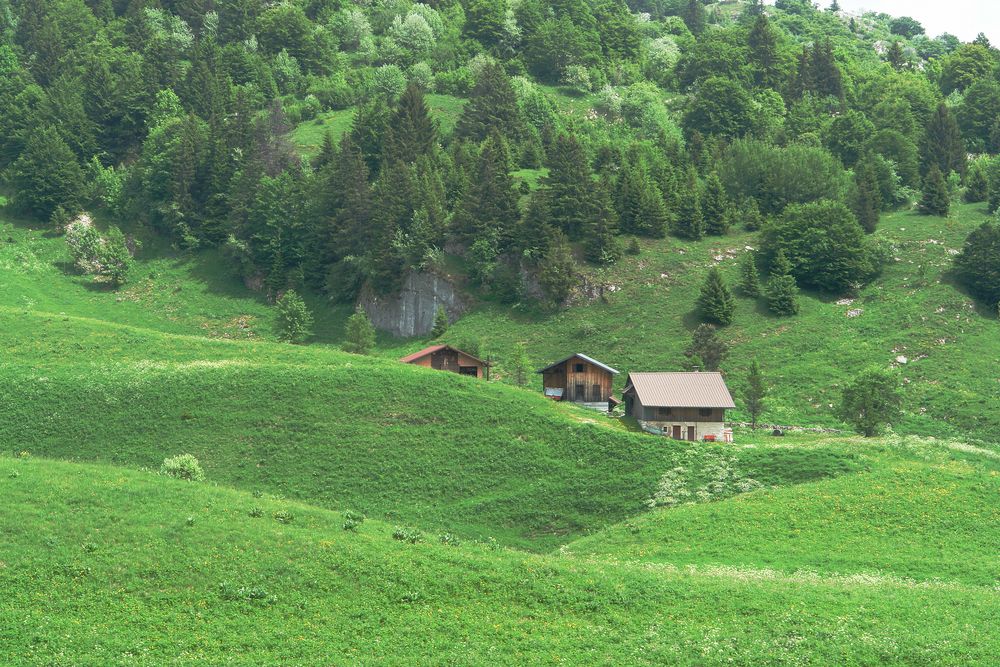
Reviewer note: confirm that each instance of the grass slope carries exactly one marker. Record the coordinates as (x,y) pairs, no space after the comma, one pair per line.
(921,509)
(104,566)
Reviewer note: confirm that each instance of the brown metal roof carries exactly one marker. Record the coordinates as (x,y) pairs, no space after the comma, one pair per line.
(680,390)
(410,358)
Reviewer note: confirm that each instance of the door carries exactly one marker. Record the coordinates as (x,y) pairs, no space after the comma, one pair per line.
(677,431)
(580,392)
(469,370)
(596,394)
(691,433)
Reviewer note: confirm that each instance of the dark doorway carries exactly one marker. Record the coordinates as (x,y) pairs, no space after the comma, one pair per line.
(596,394)
(580,392)
(691,433)
(677,432)
(468,370)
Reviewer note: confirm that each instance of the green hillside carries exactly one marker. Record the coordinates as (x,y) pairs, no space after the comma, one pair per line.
(105,566)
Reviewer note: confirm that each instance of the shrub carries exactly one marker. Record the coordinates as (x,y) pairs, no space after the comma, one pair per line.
(407,535)
(978,265)
(633,248)
(360,333)
(871,400)
(294,318)
(352,520)
(184,466)
(284,516)
(252,594)
(106,258)
(256,512)
(440,322)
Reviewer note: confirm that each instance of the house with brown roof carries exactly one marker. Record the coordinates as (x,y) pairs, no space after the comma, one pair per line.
(684,406)
(447,358)
(580,379)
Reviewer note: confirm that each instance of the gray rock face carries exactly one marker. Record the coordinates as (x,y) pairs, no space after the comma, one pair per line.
(411,312)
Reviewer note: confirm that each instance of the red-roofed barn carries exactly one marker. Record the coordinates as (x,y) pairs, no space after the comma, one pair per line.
(447,358)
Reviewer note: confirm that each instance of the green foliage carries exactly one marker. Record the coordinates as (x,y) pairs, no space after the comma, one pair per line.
(871,400)
(295,320)
(978,265)
(943,146)
(707,348)
(440,322)
(720,107)
(47,175)
(715,206)
(824,245)
(782,291)
(689,223)
(183,466)
(107,258)
(359,334)
(977,185)
(755,392)
(935,199)
(716,302)
(749,275)
(557,274)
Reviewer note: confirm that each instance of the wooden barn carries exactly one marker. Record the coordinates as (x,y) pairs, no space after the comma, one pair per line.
(447,358)
(684,406)
(580,379)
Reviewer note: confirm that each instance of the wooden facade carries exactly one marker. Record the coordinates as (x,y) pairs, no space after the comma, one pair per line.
(579,379)
(682,406)
(447,358)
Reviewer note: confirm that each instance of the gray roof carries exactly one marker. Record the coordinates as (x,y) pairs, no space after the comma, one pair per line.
(680,390)
(585,358)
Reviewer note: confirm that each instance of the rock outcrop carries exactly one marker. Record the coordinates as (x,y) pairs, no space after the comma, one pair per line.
(411,312)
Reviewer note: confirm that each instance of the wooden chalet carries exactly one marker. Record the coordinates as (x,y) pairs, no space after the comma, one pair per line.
(447,358)
(580,379)
(684,406)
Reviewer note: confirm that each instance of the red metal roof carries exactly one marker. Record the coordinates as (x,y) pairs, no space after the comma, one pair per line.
(410,358)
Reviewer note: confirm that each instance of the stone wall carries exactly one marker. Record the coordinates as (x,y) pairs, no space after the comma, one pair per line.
(411,312)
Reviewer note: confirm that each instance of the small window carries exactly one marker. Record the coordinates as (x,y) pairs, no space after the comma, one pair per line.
(664,412)
(577,368)
(705,412)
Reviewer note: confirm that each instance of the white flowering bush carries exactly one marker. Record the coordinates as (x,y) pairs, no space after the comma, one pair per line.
(703,476)
(107,258)
(184,466)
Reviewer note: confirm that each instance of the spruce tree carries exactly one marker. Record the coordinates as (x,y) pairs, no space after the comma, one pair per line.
(978,265)
(752,218)
(440,322)
(715,206)
(749,276)
(755,392)
(492,106)
(411,132)
(707,348)
(936,199)
(782,291)
(694,17)
(535,232)
(764,56)
(489,206)
(558,274)
(895,57)
(867,205)
(570,188)
(943,146)
(716,302)
(47,175)
(601,244)
(688,223)
(977,186)
(359,333)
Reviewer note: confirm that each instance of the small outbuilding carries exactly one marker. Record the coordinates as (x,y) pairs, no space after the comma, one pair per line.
(447,358)
(684,406)
(580,379)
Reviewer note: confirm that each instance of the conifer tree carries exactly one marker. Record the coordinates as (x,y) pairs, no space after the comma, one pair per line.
(894,55)
(749,276)
(570,186)
(755,392)
(535,232)
(411,132)
(492,106)
(764,56)
(782,291)
(652,211)
(707,347)
(47,175)
(489,206)
(716,302)
(867,205)
(694,17)
(689,223)
(752,218)
(558,273)
(715,206)
(601,245)
(943,145)
(295,320)
(359,334)
(440,322)
(977,186)
(935,199)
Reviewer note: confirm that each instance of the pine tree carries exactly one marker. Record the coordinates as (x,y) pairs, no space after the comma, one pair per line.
(749,276)
(570,188)
(601,245)
(492,106)
(895,57)
(755,392)
(694,17)
(688,223)
(489,206)
(782,291)
(47,175)
(535,232)
(977,186)
(715,206)
(359,334)
(764,55)
(352,231)
(411,132)
(867,205)
(871,400)
(295,320)
(707,348)
(943,145)
(752,218)
(716,302)
(936,199)
(440,322)
(558,273)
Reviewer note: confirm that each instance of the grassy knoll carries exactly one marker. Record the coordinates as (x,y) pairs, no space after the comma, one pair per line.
(105,566)
(923,509)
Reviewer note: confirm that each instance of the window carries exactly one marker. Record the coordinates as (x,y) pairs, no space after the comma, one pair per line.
(664,412)
(577,368)
(705,412)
